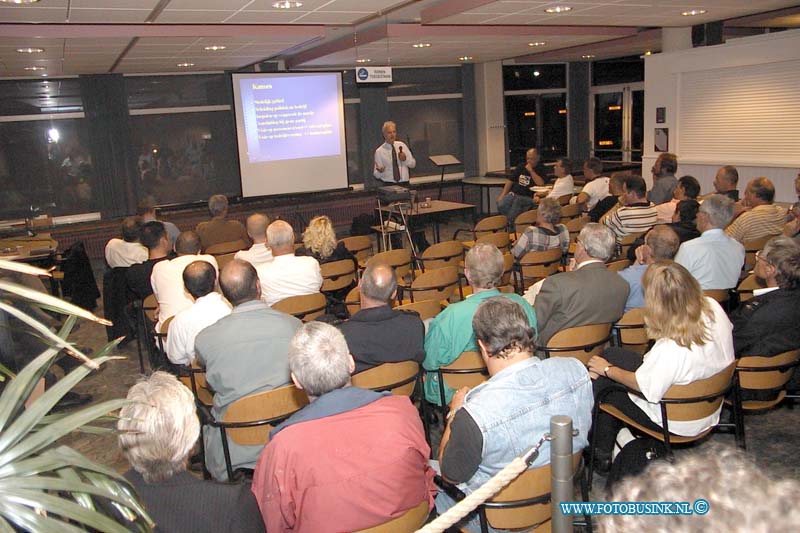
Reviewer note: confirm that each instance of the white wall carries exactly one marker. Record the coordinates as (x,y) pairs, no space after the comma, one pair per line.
(490,116)
(663,74)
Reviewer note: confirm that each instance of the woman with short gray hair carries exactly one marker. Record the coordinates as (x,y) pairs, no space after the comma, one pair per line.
(546,234)
(158,431)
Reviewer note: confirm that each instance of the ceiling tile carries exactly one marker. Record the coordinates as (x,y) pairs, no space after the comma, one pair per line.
(174,16)
(116,16)
(32,14)
(263,17)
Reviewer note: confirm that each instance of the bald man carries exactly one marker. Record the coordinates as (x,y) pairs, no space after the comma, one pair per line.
(377,333)
(286,275)
(259,253)
(243,353)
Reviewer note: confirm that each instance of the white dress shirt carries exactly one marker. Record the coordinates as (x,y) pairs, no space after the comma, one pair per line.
(120,253)
(383,158)
(562,186)
(256,255)
(714,259)
(183,329)
(288,275)
(167,283)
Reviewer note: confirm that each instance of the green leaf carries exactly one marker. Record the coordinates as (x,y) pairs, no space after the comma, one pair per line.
(29,520)
(124,490)
(23,268)
(6,372)
(72,477)
(13,397)
(65,509)
(56,303)
(5,527)
(79,461)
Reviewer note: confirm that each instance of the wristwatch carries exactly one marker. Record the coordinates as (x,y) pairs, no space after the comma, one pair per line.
(606,369)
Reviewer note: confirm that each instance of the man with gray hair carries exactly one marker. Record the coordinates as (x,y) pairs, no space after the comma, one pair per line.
(157,433)
(287,274)
(660,243)
(714,259)
(392,158)
(243,353)
(377,333)
(219,229)
(589,294)
(450,334)
(351,459)
(260,252)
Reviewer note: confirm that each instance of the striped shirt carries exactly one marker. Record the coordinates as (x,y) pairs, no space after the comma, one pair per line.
(536,239)
(634,218)
(760,221)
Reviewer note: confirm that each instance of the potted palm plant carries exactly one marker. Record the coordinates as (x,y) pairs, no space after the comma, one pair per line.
(46,486)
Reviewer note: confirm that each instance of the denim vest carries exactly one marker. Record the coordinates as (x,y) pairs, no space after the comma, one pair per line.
(513,410)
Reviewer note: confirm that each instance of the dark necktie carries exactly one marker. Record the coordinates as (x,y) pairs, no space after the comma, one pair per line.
(395,165)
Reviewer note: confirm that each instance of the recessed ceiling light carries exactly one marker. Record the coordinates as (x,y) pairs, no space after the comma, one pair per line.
(215,48)
(537,43)
(184,65)
(365,60)
(287,5)
(465,58)
(35,68)
(536,73)
(587,56)
(648,52)
(18,1)
(558,9)
(421,45)
(694,12)
(30,50)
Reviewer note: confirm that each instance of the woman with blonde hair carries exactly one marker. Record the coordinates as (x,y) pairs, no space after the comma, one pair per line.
(319,242)
(693,341)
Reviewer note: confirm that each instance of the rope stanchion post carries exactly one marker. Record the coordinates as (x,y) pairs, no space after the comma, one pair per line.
(561,477)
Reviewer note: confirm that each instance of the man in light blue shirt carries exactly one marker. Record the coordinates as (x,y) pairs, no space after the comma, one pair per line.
(660,243)
(713,258)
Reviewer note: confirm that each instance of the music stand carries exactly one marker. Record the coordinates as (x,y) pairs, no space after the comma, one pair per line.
(443,161)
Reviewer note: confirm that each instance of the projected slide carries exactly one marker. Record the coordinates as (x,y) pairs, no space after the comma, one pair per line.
(290,130)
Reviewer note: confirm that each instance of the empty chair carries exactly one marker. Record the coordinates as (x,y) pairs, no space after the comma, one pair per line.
(569,212)
(468,370)
(625,244)
(437,284)
(534,266)
(227,247)
(306,307)
(425,308)
(766,375)
(359,245)
(500,240)
(442,254)
(580,342)
(399,259)
(399,378)
(575,225)
(353,301)
(523,220)
(485,226)
(337,275)
(630,332)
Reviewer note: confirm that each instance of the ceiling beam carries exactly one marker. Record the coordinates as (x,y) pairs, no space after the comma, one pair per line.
(647,38)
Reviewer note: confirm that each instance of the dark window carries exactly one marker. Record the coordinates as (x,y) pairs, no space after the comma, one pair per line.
(430,127)
(526,77)
(608,126)
(32,97)
(153,92)
(536,121)
(620,70)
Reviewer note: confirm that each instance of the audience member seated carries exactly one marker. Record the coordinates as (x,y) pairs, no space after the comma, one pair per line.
(157,433)
(351,459)
(610,202)
(490,424)
(684,220)
(243,353)
(153,236)
(167,277)
(319,242)
(589,294)
(741,497)
(546,234)
(595,187)
(259,253)
(660,244)
(516,196)
(127,251)
(636,215)
(451,333)
(219,229)
(287,275)
(564,184)
(792,227)
(762,217)
(664,181)
(714,259)
(693,342)
(200,279)
(726,181)
(377,333)
(767,324)
(147,210)
(688,188)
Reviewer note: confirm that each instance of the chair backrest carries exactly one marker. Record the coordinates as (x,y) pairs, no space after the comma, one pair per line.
(409,521)
(491,224)
(564,199)
(626,241)
(748,285)
(359,245)
(306,307)
(525,501)
(399,259)
(631,333)
(165,326)
(224,259)
(569,212)
(750,249)
(707,395)
(353,301)
(538,265)
(436,284)
(766,373)
(508,269)
(720,295)
(149,306)
(619,264)
(425,308)
(267,407)
(337,275)
(468,370)
(226,247)
(195,379)
(525,219)
(580,342)
(575,225)
(499,239)
(399,378)
(442,254)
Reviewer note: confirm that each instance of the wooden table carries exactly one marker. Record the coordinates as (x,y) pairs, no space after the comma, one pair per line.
(28,249)
(485,184)
(435,212)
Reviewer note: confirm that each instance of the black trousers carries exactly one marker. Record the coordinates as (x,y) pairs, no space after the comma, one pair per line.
(607,426)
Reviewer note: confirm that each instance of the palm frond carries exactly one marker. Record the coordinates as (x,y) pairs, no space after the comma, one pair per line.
(23,268)
(55,303)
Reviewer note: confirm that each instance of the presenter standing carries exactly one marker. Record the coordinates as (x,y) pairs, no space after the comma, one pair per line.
(392,158)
